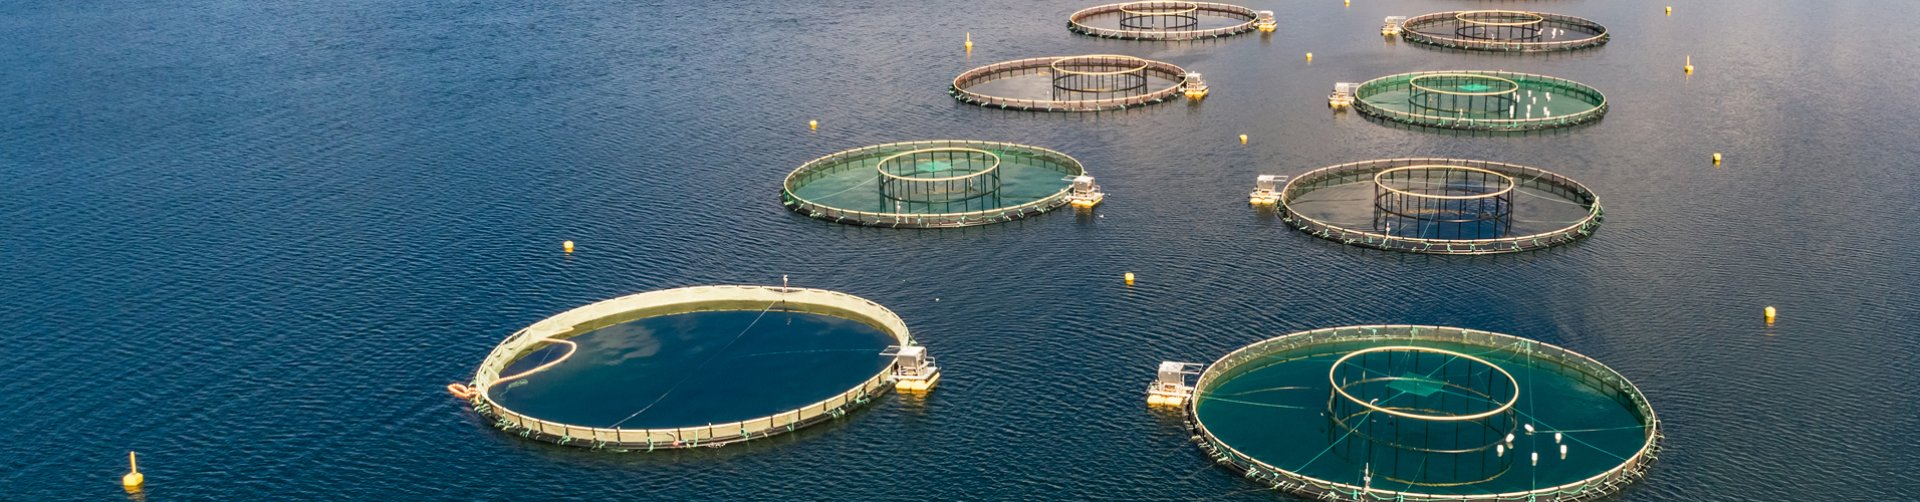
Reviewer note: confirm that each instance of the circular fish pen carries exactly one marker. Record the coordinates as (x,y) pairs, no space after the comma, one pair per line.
(1163,20)
(687,367)
(1440,206)
(1479,100)
(1070,83)
(932,184)
(1504,31)
(1423,413)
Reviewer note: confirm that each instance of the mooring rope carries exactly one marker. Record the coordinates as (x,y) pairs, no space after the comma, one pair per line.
(571,348)
(689,374)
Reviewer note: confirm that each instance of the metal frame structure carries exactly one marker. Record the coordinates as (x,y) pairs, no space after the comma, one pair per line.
(1523,178)
(1503,31)
(1462,421)
(1096,82)
(1459,203)
(903,176)
(1406,337)
(1163,20)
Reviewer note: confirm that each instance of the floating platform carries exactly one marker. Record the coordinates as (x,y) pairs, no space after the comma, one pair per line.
(690,367)
(933,184)
(1440,206)
(1423,413)
(1479,100)
(1161,20)
(1088,83)
(1500,31)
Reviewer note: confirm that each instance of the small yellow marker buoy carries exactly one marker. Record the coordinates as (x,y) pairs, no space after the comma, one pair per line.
(969,41)
(567,246)
(1770,313)
(1669,10)
(1309,57)
(813,125)
(1129,278)
(1243,139)
(1689,64)
(134,478)
(1716,158)
(1349,3)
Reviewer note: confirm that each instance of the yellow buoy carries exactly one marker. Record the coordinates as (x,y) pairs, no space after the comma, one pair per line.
(134,478)
(1309,57)
(969,41)
(1689,64)
(1716,158)
(1349,3)
(1770,313)
(813,125)
(567,246)
(1669,10)
(1129,278)
(1243,139)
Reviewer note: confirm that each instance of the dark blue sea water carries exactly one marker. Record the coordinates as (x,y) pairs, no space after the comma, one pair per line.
(254,240)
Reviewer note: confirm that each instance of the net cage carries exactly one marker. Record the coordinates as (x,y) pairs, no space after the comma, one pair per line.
(1479,100)
(1450,201)
(1465,95)
(932,184)
(1097,82)
(1410,407)
(1160,16)
(1097,78)
(1423,413)
(1163,20)
(939,175)
(1504,30)
(1441,206)
(559,329)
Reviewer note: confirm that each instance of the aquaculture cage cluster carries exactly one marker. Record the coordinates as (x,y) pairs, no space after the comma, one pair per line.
(710,400)
(1504,30)
(1479,100)
(1162,20)
(1440,206)
(932,184)
(1423,413)
(1076,83)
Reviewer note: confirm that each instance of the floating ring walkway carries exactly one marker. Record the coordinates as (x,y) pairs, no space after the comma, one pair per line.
(1086,83)
(555,330)
(1481,203)
(1504,31)
(1163,20)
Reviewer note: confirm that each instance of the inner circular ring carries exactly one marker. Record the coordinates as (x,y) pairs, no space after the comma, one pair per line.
(1127,8)
(1415,83)
(1379,180)
(882,166)
(1537,19)
(1332,378)
(1055,65)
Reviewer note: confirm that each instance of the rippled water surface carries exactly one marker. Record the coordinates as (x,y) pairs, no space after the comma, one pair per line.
(254,240)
